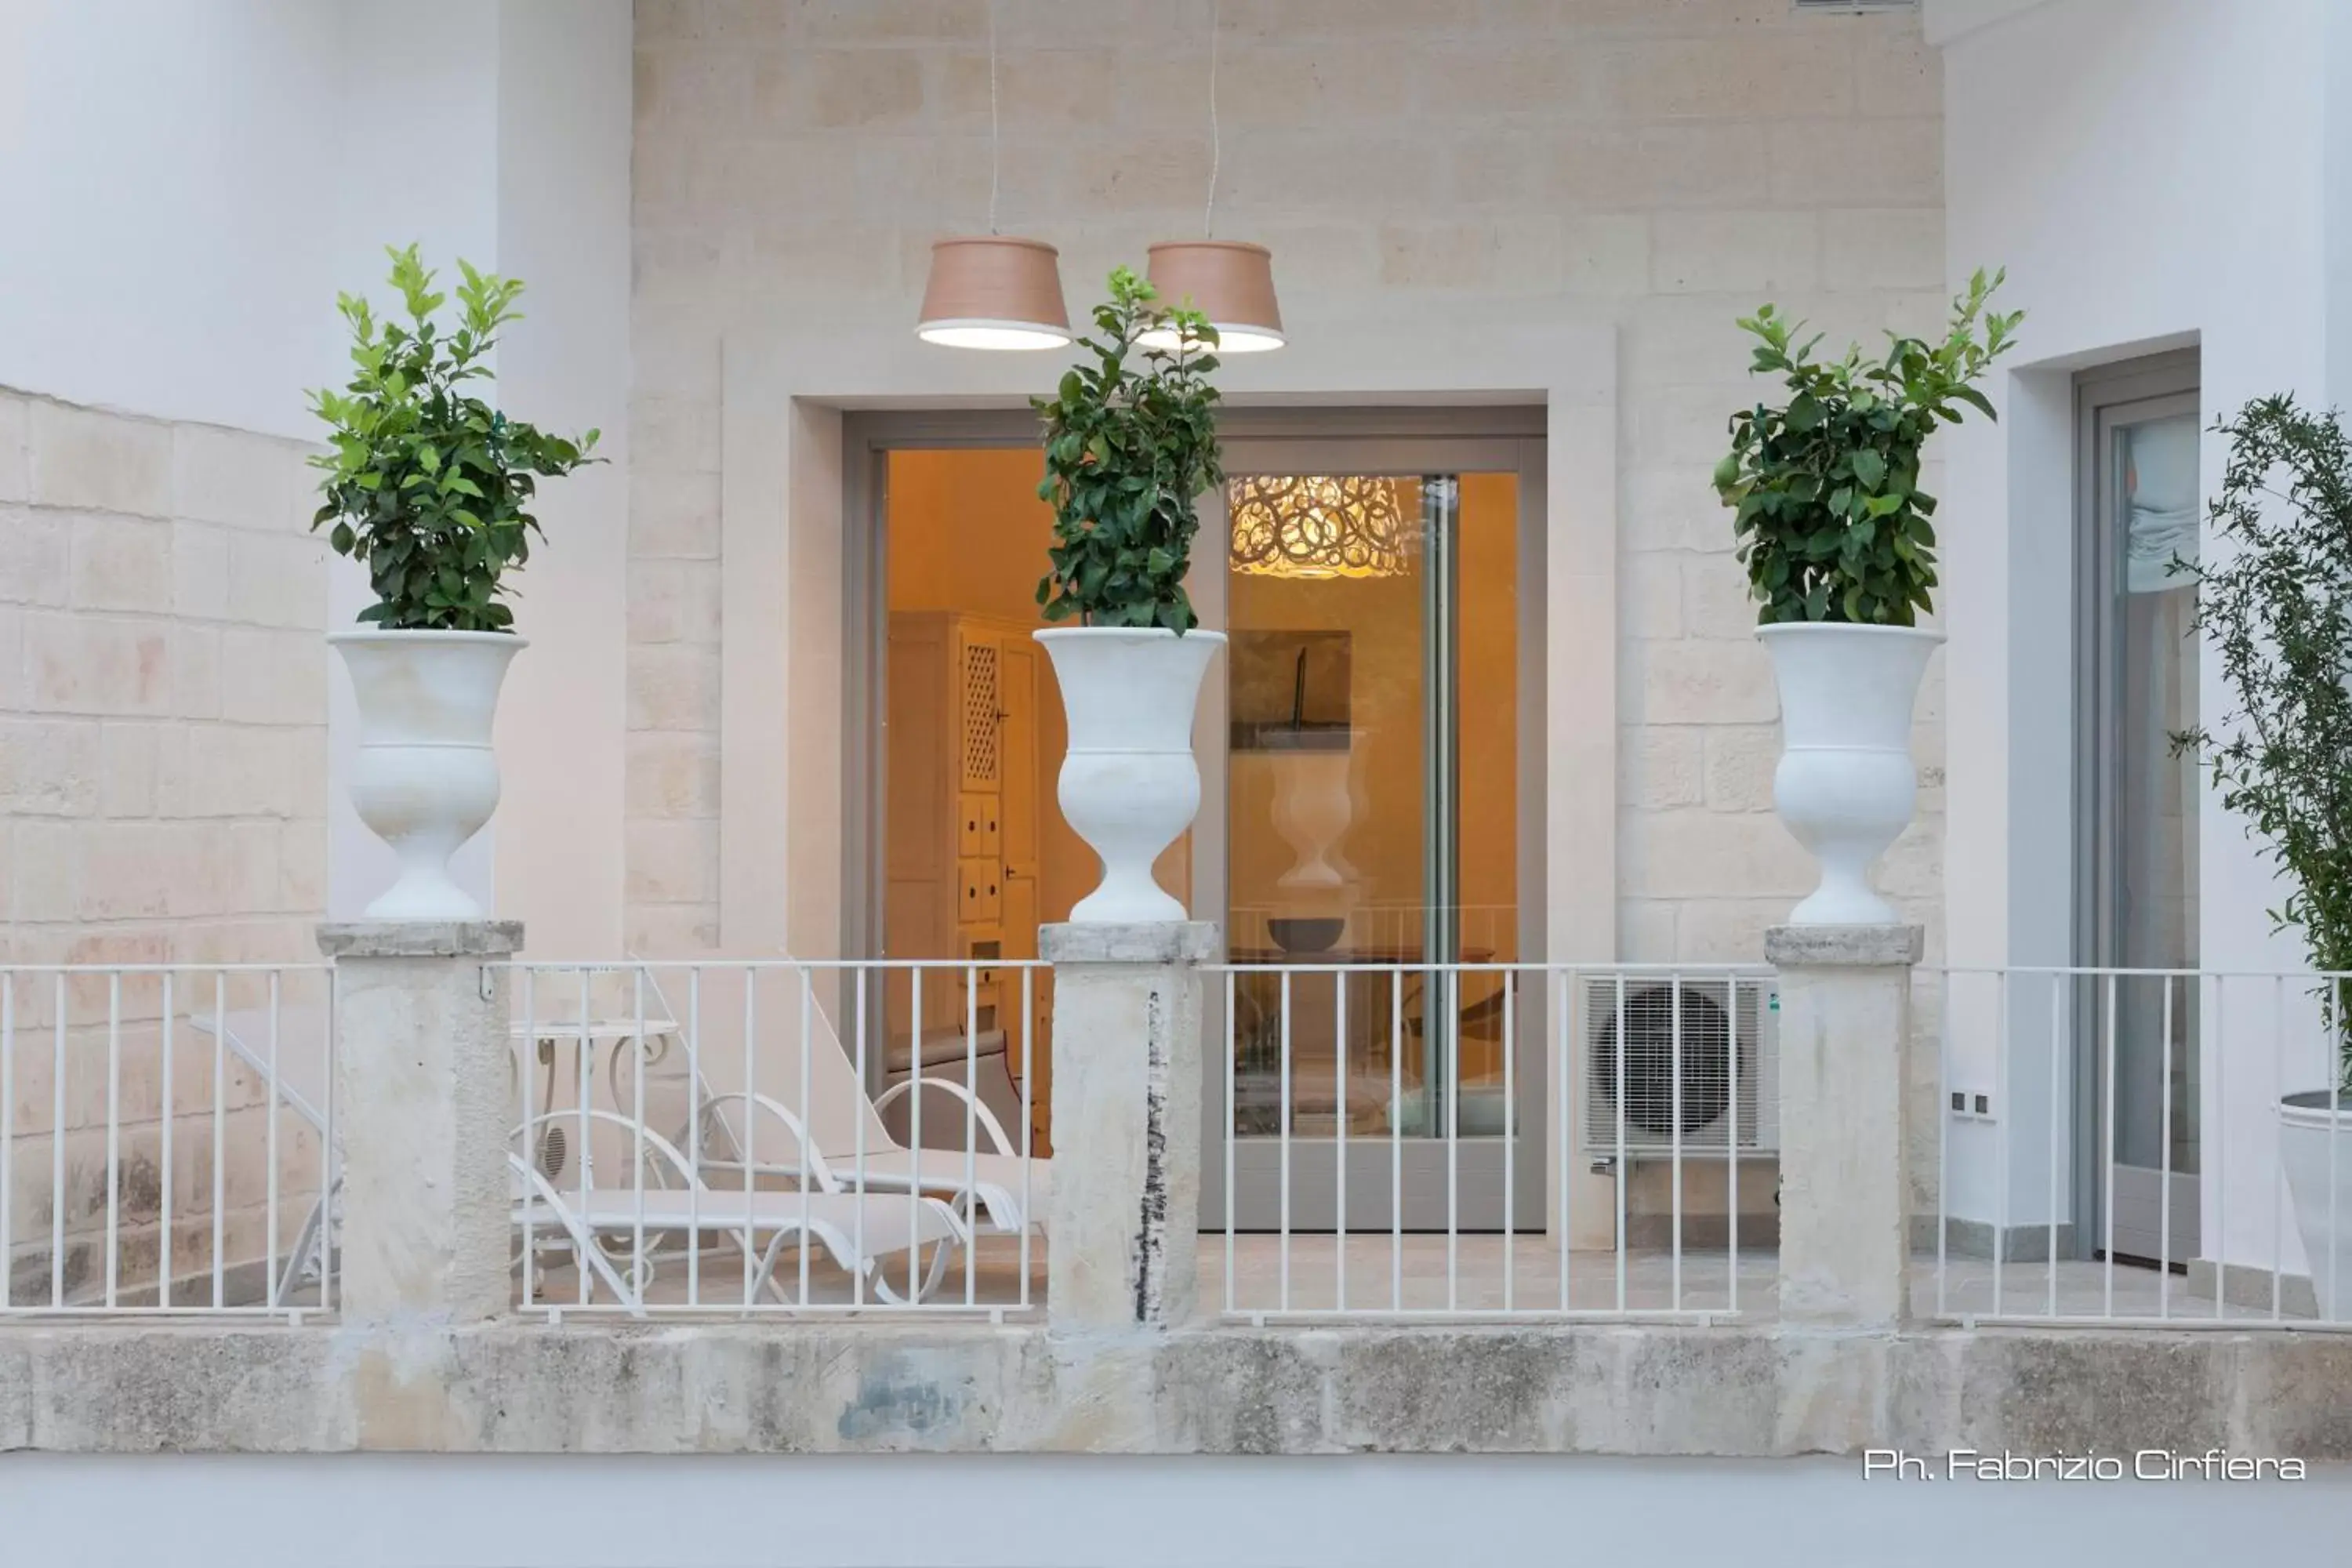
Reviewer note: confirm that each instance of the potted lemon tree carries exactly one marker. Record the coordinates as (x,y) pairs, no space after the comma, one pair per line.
(2275,604)
(1840,550)
(1130,444)
(430,489)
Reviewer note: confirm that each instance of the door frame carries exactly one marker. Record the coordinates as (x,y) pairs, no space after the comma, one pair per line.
(1491,436)
(2130,392)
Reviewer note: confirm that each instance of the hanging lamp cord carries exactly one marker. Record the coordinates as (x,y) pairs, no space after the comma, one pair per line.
(1216,149)
(994,160)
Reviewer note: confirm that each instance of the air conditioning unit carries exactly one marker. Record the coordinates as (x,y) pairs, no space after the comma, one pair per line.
(1725,1035)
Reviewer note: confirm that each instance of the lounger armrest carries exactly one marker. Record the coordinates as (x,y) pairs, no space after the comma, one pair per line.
(653,1142)
(984,1116)
(812,1157)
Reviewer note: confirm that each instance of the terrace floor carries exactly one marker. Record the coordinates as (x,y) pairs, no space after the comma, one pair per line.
(1489,1278)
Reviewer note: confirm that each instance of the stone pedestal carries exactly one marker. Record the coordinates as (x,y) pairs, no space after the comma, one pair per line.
(1846,1041)
(1123,1237)
(424,1092)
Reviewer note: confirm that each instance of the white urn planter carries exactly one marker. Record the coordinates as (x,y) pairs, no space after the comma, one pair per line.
(1129,784)
(426,779)
(1313,802)
(1845,785)
(2315,1147)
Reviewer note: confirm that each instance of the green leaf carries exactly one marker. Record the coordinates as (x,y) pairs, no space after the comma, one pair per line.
(1869,467)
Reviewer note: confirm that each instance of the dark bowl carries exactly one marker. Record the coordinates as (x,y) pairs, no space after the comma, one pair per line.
(1299,935)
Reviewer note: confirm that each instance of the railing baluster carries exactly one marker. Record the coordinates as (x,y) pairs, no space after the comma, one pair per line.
(1564,1127)
(584,1090)
(1619,1169)
(8,1140)
(1675,1060)
(1731,1142)
(1396,1139)
(808,1122)
(2004,1108)
(861,1089)
(2164,1165)
(1029,1122)
(2278,1177)
(114,1137)
(752,1121)
(2218,1037)
(58,1171)
(2106,1152)
(639,1276)
(2057,1061)
(1282,1128)
(1452,1049)
(2332,1018)
(220,1130)
(1233,1125)
(1340,1135)
(1950,982)
(528,1047)
(695,1114)
(269,1110)
(914,1126)
(1511,1138)
(330,1155)
(971,1129)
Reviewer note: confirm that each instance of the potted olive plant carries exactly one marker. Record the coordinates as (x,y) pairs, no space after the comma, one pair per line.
(1130,442)
(430,489)
(1833,529)
(2276,607)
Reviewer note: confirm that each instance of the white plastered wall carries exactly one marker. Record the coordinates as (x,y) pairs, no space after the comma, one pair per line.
(186,188)
(2154,174)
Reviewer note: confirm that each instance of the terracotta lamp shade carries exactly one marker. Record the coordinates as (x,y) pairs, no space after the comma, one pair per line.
(994,292)
(1229,282)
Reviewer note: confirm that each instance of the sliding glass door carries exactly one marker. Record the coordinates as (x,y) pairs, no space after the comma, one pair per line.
(2138,812)
(1371,740)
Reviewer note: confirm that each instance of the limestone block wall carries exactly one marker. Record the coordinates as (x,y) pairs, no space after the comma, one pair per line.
(1662,165)
(163,794)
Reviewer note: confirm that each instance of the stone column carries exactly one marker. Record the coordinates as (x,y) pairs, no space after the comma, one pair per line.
(1846,1041)
(1122,1248)
(425,1108)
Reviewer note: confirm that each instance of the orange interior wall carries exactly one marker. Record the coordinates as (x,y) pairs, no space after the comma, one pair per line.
(968,532)
(1384,618)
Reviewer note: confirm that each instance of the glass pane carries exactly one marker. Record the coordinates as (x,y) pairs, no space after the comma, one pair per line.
(976,854)
(1332,845)
(2154,489)
(1487,727)
(1327,611)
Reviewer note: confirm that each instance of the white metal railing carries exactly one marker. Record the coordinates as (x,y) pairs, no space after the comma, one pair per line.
(2109,1148)
(1495,1140)
(166,1139)
(777,1136)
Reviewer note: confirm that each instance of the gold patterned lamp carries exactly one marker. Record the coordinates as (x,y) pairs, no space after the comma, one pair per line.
(1320,525)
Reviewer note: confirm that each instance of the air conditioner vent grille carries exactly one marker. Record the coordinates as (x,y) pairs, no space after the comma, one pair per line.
(1690,1063)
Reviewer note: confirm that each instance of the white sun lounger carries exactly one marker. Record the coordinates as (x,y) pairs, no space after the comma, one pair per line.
(300,1076)
(863,1235)
(770,1220)
(839,1142)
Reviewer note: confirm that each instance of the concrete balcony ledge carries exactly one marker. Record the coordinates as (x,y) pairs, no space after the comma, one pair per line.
(1723,1390)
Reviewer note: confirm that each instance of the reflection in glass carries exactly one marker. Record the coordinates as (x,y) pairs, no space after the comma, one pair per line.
(1361,698)
(2153,482)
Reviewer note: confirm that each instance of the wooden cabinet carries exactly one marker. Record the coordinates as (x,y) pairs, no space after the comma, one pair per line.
(962,824)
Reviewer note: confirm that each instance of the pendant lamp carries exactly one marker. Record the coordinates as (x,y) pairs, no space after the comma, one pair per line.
(992,290)
(1227,280)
